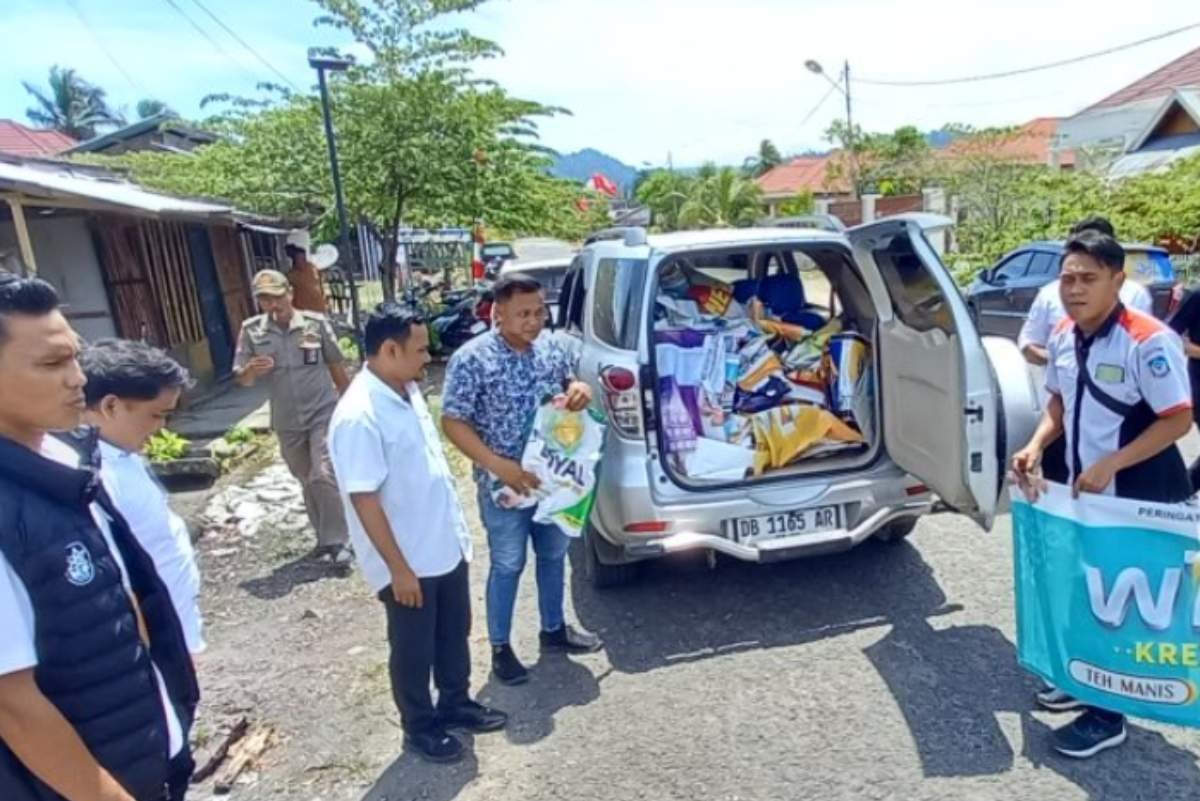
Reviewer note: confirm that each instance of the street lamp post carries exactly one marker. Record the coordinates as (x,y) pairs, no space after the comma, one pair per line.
(323,64)
(844,87)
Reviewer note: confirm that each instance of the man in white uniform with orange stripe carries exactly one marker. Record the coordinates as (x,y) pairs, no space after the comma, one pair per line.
(1118,390)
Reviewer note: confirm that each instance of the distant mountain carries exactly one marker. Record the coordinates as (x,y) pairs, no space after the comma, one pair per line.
(582,165)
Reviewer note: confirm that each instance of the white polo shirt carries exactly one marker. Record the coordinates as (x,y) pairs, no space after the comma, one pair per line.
(381,441)
(163,534)
(18,648)
(1132,359)
(1048,311)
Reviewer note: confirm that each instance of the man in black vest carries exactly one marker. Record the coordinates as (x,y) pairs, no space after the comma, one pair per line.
(97,690)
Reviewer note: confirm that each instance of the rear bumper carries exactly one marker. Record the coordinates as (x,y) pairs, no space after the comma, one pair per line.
(781,548)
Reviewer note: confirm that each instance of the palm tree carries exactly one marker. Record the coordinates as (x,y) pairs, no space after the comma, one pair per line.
(72,106)
(149,107)
(722,200)
(768,158)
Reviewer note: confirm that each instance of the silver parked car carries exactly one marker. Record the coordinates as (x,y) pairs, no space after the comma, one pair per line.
(949,407)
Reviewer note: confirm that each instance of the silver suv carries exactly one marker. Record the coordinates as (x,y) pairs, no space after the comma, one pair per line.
(949,409)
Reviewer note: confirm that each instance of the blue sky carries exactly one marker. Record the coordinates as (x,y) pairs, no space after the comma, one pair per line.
(696,79)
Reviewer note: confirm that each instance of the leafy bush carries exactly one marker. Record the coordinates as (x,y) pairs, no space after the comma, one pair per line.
(238,435)
(166,446)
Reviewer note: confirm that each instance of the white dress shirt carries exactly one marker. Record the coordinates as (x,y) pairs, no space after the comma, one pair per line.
(143,502)
(18,646)
(381,441)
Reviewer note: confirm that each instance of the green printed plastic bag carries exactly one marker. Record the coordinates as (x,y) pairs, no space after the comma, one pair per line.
(563,451)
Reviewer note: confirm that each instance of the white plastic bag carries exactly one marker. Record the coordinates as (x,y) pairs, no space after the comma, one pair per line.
(563,451)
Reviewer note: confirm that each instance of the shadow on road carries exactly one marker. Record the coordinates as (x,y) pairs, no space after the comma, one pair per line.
(555,683)
(290,575)
(412,777)
(683,612)
(949,683)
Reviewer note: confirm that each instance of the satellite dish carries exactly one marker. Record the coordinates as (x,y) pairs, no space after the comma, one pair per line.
(324,257)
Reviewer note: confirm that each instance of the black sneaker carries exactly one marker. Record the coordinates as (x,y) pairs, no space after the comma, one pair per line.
(506,667)
(474,717)
(435,746)
(1056,700)
(570,640)
(1090,734)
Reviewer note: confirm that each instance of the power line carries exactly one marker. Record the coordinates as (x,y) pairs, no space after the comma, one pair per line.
(206,35)
(245,45)
(133,82)
(833,87)
(1038,68)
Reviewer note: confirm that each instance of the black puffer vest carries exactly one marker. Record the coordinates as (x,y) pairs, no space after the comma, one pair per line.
(92,663)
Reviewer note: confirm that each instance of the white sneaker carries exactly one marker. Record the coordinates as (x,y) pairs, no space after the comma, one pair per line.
(1056,700)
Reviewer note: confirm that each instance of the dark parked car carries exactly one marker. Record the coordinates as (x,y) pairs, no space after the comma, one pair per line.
(1001,296)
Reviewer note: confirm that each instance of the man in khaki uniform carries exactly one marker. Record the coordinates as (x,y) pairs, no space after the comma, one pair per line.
(297,353)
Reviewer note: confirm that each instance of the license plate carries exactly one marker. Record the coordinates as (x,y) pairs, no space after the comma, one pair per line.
(784,524)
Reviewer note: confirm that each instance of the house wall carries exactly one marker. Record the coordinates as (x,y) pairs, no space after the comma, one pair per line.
(66,257)
(1119,124)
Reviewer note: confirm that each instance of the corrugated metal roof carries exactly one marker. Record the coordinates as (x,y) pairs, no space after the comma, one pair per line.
(1183,71)
(63,181)
(21,140)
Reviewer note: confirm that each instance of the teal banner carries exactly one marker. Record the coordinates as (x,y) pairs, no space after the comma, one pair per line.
(1107,601)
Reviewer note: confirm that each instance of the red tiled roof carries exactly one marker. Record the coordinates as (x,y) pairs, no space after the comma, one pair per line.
(1031,143)
(19,140)
(1183,71)
(803,174)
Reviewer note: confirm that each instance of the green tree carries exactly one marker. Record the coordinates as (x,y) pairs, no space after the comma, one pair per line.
(71,106)
(1161,207)
(803,203)
(724,199)
(888,164)
(767,158)
(664,192)
(420,141)
(149,107)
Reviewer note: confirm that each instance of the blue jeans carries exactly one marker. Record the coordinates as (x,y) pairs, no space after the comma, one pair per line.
(508,531)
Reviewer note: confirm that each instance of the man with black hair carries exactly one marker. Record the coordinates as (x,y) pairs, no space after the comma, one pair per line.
(410,536)
(1186,322)
(494,386)
(1118,392)
(132,388)
(97,689)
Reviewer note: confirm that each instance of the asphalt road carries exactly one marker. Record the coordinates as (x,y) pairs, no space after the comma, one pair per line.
(886,672)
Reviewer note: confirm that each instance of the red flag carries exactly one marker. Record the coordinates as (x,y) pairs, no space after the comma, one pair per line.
(603,185)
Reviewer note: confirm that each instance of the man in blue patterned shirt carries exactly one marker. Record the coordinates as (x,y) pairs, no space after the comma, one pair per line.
(494,386)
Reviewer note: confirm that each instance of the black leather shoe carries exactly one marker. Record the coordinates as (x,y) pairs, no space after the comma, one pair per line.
(506,667)
(474,717)
(570,640)
(435,746)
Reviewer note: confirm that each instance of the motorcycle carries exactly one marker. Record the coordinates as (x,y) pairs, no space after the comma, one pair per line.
(467,314)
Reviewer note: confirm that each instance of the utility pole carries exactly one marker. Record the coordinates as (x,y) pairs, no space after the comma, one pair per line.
(850,144)
(321,64)
(815,68)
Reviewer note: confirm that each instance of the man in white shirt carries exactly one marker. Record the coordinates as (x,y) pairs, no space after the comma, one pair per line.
(131,389)
(409,533)
(1044,316)
(97,689)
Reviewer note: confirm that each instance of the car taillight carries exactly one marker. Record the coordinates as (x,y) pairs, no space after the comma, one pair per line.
(621,401)
(477,269)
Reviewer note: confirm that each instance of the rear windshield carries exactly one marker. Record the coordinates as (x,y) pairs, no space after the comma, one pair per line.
(617,301)
(1149,266)
(496,250)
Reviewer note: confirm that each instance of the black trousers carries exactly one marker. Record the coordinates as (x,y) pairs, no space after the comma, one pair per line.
(430,639)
